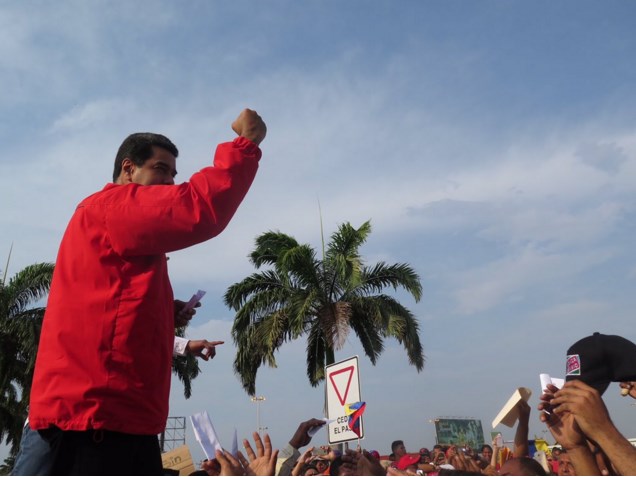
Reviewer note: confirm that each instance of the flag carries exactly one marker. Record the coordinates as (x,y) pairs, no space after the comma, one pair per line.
(355,411)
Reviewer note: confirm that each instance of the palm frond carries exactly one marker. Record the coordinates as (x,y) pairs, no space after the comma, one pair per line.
(316,356)
(186,368)
(250,354)
(365,322)
(27,286)
(403,326)
(343,257)
(269,247)
(399,275)
(238,294)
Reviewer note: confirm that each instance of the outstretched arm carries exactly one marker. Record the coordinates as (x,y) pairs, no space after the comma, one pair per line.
(157,219)
(521,435)
(301,438)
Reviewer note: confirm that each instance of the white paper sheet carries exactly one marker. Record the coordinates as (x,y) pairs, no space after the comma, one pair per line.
(205,434)
(312,432)
(547,379)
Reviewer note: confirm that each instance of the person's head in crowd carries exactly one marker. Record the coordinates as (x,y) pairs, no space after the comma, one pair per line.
(522,466)
(439,456)
(310,470)
(375,454)
(486,452)
(556,452)
(408,462)
(425,456)
(565,464)
(339,467)
(451,452)
(320,464)
(398,449)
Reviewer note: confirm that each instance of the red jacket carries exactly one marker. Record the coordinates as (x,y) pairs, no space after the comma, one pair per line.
(104,360)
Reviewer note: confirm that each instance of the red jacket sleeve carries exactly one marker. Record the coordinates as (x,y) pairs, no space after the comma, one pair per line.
(149,220)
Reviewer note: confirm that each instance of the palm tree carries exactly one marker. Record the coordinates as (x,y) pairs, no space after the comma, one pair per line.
(20,325)
(322,299)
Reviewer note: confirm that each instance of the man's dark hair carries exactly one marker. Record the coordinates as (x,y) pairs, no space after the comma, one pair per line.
(394,445)
(334,468)
(530,466)
(138,148)
(307,467)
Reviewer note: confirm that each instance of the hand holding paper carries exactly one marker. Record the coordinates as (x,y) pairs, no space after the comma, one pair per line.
(196,298)
(547,379)
(312,432)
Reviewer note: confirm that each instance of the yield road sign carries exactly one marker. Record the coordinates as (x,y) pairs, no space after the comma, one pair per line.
(343,387)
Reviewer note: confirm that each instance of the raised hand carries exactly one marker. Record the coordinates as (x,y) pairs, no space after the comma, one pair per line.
(182,316)
(229,464)
(250,126)
(263,461)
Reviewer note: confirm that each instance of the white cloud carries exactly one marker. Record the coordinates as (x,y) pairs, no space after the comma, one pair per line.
(94,114)
(515,278)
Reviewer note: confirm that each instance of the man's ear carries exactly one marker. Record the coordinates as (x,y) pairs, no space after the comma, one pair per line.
(127,168)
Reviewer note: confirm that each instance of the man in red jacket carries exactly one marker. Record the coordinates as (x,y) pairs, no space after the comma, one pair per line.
(102,377)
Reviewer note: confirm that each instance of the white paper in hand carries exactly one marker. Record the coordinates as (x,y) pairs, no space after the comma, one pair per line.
(205,434)
(547,379)
(312,432)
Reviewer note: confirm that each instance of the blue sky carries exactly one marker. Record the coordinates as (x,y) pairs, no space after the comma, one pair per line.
(492,144)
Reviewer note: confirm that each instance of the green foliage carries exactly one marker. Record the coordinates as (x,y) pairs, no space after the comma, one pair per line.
(7,465)
(20,325)
(186,368)
(299,295)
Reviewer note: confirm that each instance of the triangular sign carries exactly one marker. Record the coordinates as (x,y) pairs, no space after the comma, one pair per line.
(342,397)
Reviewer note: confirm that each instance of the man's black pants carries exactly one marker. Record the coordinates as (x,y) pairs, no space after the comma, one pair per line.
(99,452)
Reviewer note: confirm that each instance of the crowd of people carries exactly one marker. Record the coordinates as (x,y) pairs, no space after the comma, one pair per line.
(588,444)
(102,376)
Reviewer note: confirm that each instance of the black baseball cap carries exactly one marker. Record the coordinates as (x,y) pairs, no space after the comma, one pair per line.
(599,360)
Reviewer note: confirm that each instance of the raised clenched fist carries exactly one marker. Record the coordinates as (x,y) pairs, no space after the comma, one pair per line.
(250,126)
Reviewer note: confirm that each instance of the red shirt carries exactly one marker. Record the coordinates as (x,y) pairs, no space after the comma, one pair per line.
(104,359)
